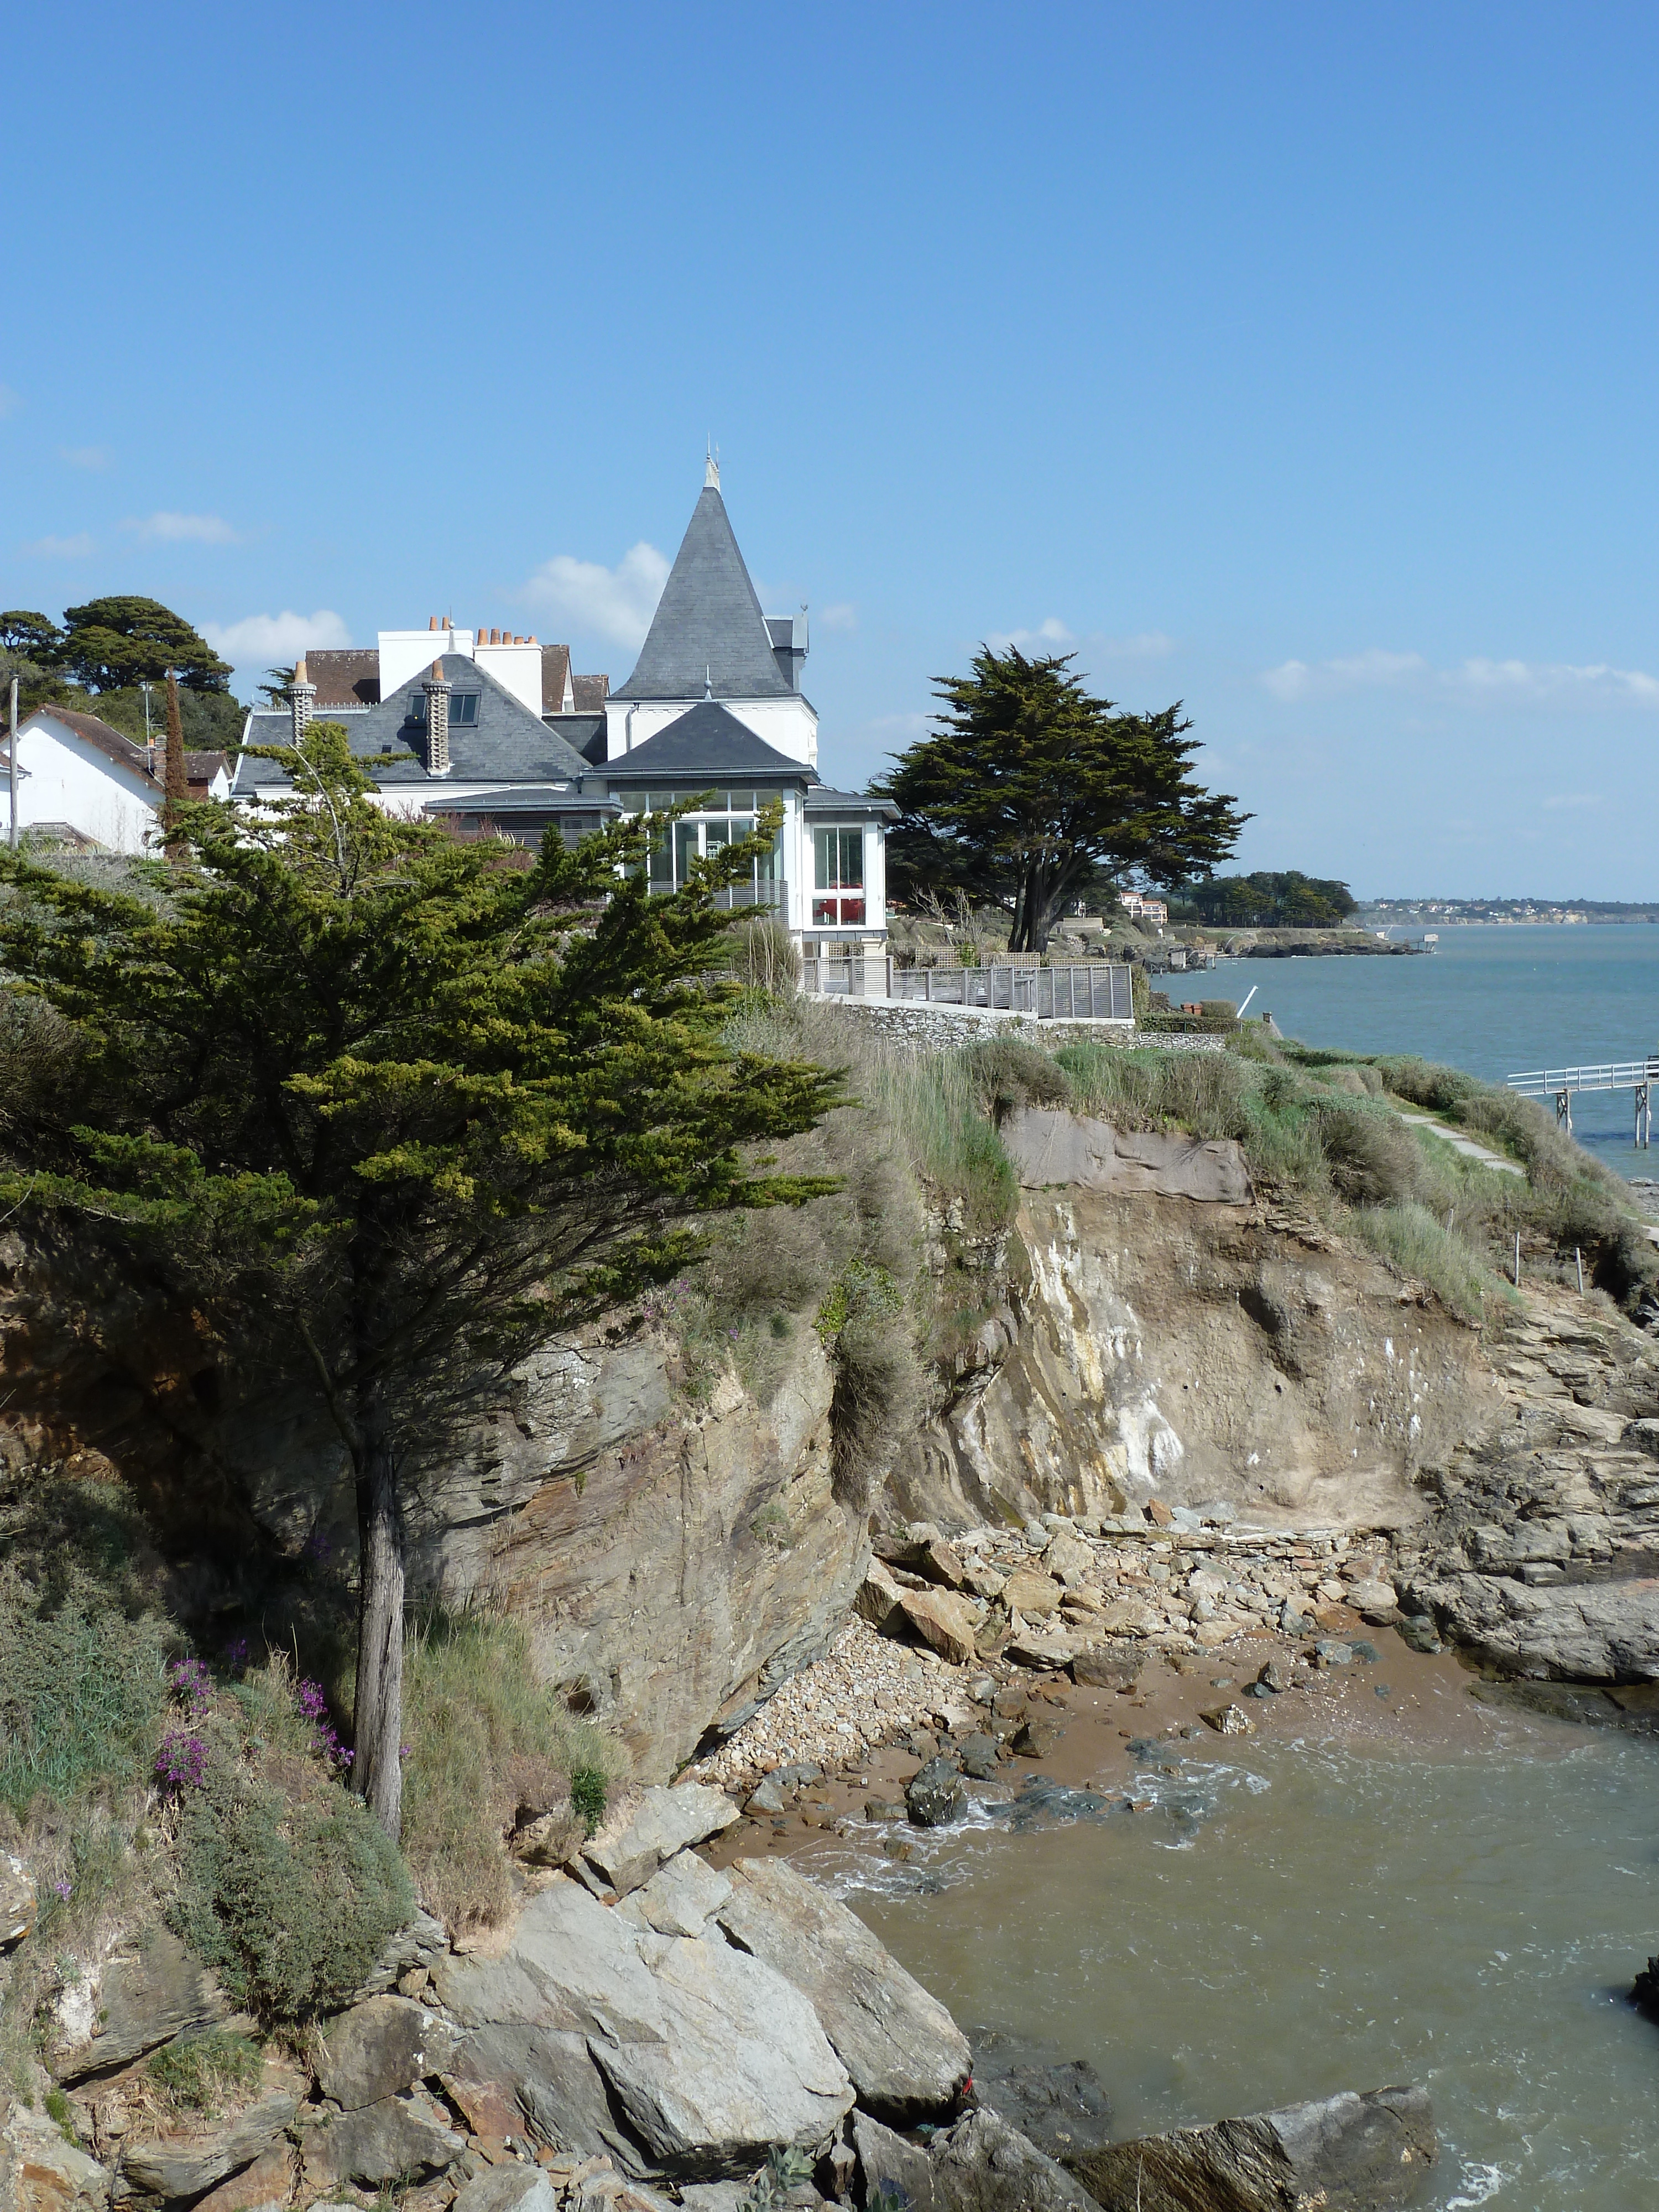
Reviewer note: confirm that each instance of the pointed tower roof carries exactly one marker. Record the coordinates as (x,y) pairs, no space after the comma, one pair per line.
(708,637)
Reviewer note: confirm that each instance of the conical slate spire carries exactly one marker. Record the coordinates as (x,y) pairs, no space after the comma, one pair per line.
(708,637)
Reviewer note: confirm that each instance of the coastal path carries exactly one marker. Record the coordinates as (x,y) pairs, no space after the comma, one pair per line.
(1467,1146)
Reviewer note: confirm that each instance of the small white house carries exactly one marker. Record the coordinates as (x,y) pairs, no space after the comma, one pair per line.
(86,779)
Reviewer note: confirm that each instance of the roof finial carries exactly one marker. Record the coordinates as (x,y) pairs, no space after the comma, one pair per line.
(708,681)
(711,469)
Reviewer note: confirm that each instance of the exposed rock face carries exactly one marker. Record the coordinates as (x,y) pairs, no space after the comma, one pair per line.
(1542,1550)
(1197,1350)
(40,2172)
(17,1900)
(622,1523)
(140,1998)
(628,1849)
(1048,1148)
(400,2139)
(905,2054)
(1364,2153)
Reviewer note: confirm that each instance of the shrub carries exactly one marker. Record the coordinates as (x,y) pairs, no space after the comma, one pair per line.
(291,1902)
(590,1793)
(83,1659)
(1007,1072)
(1422,1247)
(1372,1159)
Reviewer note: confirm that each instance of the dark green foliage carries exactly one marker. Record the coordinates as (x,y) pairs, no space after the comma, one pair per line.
(213,720)
(290,1902)
(30,636)
(1372,1158)
(110,643)
(590,1792)
(396,1107)
(1268,899)
(1033,793)
(81,1656)
(199,2073)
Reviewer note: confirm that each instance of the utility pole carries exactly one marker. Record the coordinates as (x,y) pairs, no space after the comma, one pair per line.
(11,765)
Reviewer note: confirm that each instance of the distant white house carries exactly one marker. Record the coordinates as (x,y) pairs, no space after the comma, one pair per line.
(1143,910)
(80,778)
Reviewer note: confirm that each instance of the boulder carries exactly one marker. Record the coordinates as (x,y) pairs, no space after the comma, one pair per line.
(679,2055)
(981,2165)
(630,1848)
(147,1993)
(682,1897)
(416,1944)
(876,1597)
(172,2170)
(512,2188)
(978,1756)
(16,1900)
(905,2055)
(379,2047)
(267,2181)
(1125,1616)
(1060,2104)
(401,2139)
(1068,1556)
(1106,1666)
(1031,1592)
(944,1619)
(40,2172)
(1644,1991)
(1037,1737)
(935,1795)
(1230,1719)
(1377,1602)
(1278,1675)
(1046,1653)
(1360,2153)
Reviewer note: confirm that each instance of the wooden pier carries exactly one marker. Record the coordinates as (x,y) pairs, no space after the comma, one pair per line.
(1560,1083)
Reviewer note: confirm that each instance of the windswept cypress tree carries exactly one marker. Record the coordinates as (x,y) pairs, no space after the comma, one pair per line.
(406,1104)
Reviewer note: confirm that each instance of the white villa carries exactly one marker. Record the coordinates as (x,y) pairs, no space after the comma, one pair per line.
(83,781)
(491,727)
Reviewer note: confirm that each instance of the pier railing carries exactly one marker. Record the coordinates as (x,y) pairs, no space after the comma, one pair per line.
(1561,1084)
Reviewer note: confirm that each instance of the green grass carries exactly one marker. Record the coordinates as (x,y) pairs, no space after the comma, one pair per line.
(485,1741)
(202,2073)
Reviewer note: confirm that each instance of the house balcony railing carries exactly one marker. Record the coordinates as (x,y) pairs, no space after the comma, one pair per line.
(1095,992)
(773,895)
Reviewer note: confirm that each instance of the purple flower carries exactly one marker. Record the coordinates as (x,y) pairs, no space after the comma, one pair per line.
(236,1653)
(402,1751)
(62,1888)
(191,1680)
(181,1762)
(317,1547)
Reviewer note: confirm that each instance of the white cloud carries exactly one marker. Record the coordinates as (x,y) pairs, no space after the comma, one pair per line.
(264,641)
(62,548)
(612,602)
(1145,645)
(1488,682)
(186,529)
(843,616)
(84,456)
(1050,633)
(10,401)
(1561,798)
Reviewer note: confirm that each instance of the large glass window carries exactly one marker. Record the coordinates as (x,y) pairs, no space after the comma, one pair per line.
(675,846)
(838,876)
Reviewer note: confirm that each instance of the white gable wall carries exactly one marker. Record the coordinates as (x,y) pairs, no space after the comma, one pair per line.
(63,778)
(790,727)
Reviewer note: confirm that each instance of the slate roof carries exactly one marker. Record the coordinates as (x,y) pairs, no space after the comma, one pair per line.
(707,619)
(345,675)
(523,798)
(508,743)
(708,739)
(825,801)
(200,769)
(585,732)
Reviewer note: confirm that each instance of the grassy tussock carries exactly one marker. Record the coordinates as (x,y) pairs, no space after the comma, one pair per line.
(487,1743)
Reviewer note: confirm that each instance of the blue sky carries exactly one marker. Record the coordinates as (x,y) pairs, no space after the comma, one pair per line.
(1296,361)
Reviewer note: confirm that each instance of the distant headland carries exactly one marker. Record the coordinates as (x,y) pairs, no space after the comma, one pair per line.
(1380,914)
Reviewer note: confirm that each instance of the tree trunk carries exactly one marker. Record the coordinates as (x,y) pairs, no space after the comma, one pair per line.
(176,783)
(377,1768)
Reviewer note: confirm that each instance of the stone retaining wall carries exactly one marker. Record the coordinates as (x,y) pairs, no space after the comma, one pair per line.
(914,1022)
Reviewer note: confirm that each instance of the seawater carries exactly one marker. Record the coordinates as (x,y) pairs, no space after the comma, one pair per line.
(1301,1918)
(1494,999)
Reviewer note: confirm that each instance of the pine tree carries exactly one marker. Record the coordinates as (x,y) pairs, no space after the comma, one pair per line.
(1032,793)
(407,1104)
